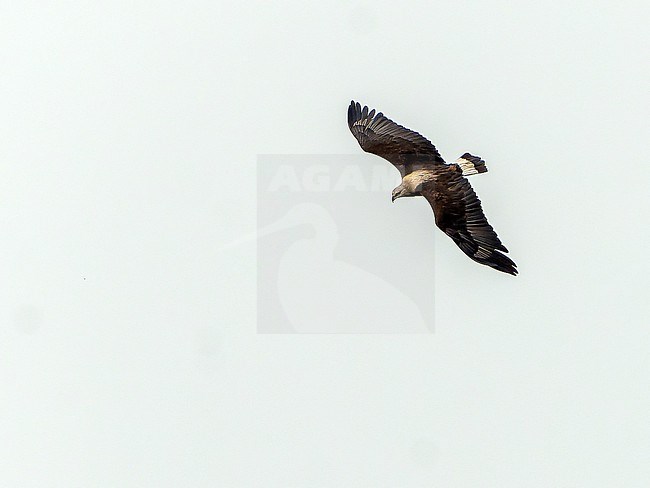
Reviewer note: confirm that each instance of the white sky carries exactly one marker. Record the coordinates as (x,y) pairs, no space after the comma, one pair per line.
(129,354)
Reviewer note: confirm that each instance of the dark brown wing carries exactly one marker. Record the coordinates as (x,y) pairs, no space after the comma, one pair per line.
(379,135)
(458,214)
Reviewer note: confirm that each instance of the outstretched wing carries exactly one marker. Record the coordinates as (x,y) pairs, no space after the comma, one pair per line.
(458,214)
(379,135)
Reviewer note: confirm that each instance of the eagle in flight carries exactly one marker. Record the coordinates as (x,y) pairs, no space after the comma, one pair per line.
(456,207)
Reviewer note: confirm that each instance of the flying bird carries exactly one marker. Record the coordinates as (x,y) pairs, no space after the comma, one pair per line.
(456,207)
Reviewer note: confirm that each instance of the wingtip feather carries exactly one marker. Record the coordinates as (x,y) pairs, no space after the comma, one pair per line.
(501,262)
(356,113)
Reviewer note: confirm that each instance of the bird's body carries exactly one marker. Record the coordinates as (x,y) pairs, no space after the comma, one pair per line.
(456,207)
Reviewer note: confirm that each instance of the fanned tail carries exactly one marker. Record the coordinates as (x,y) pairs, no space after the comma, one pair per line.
(471,165)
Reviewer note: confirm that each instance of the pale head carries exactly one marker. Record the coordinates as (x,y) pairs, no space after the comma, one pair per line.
(411,185)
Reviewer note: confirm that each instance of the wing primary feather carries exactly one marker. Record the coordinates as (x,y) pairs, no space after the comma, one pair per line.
(458,214)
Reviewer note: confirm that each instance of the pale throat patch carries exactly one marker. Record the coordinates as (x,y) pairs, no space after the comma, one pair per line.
(412,180)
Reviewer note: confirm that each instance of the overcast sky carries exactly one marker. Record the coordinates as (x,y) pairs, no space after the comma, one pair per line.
(130,344)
